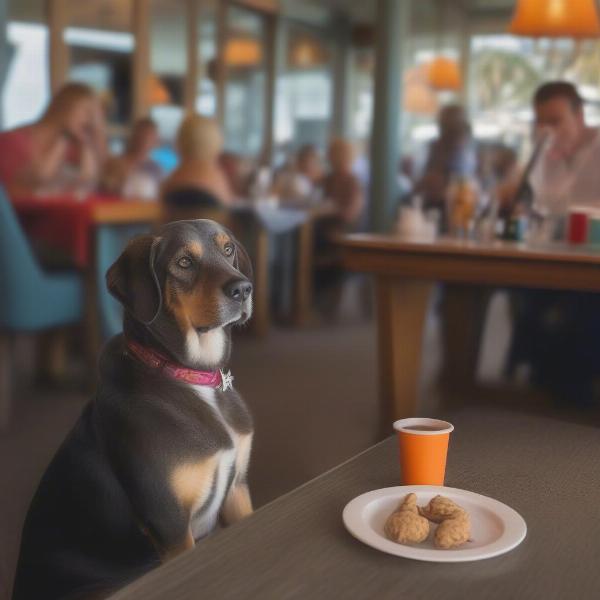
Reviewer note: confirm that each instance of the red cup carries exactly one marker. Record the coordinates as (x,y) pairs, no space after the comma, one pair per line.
(578,227)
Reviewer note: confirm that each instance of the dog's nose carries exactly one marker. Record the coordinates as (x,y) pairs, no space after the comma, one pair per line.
(238,289)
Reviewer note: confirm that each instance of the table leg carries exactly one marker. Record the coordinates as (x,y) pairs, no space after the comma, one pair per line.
(91,315)
(463,311)
(402,309)
(52,354)
(5,379)
(304,274)
(260,319)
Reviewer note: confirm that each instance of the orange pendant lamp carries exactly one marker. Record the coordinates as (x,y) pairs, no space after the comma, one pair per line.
(556,18)
(444,74)
(242,52)
(419,98)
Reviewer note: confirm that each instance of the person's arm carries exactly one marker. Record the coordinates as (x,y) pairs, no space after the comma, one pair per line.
(506,190)
(41,171)
(98,133)
(433,180)
(89,164)
(92,147)
(48,165)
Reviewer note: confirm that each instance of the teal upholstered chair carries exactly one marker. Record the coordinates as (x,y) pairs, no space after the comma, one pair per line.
(31,300)
(110,242)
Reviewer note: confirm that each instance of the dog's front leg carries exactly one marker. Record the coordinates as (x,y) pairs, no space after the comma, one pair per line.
(169,536)
(167,554)
(161,507)
(237,503)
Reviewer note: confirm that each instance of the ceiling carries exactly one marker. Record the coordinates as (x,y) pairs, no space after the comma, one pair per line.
(364,11)
(115,14)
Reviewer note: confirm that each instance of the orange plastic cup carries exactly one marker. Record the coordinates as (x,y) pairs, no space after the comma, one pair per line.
(423,449)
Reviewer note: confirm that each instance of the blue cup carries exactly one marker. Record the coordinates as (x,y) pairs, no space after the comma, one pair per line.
(594,231)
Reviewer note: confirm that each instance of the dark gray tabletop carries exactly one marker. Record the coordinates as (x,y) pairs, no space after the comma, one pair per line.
(297,546)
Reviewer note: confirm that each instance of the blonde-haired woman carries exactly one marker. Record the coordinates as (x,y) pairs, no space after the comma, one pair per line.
(199,143)
(62,151)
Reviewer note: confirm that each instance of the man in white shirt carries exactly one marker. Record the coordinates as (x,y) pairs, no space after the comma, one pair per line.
(558,333)
(567,172)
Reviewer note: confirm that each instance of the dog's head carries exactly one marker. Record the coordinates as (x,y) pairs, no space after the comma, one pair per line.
(185,286)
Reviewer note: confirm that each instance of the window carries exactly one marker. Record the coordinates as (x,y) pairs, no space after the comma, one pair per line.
(304,94)
(206,94)
(27,89)
(168,65)
(505,72)
(245,82)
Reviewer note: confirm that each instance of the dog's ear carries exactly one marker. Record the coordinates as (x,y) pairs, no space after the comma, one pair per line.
(242,261)
(132,279)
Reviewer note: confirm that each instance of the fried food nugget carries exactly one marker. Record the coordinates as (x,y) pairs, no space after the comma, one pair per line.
(453,531)
(405,525)
(454,523)
(439,509)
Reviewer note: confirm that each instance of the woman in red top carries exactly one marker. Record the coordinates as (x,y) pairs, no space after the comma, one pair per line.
(63,151)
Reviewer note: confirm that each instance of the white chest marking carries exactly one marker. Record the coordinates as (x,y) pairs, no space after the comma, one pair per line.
(207,348)
(205,521)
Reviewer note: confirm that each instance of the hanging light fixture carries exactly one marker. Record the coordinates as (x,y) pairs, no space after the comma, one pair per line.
(444,74)
(556,18)
(242,52)
(419,98)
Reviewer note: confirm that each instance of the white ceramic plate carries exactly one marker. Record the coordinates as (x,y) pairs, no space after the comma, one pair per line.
(495,527)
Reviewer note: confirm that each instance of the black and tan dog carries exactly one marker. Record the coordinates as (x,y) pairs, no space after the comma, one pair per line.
(162,451)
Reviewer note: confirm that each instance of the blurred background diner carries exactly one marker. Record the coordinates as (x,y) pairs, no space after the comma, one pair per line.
(134,173)
(293,123)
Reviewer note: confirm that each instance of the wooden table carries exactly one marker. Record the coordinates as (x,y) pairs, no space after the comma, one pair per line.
(304,296)
(297,547)
(128,211)
(405,273)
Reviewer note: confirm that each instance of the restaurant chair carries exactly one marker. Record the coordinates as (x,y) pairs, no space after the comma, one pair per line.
(187,203)
(32,301)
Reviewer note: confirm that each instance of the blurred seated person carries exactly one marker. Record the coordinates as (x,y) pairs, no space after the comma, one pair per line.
(134,174)
(405,178)
(62,152)
(199,143)
(564,170)
(557,333)
(453,154)
(299,181)
(237,171)
(342,187)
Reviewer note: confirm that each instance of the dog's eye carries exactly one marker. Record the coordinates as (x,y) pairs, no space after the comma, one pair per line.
(184,262)
(228,249)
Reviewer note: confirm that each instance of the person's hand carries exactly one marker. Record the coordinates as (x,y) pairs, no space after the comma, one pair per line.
(98,118)
(77,130)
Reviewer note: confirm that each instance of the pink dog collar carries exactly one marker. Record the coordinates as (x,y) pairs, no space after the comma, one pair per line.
(214,379)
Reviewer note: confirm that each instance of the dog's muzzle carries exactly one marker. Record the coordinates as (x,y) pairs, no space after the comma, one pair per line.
(238,290)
